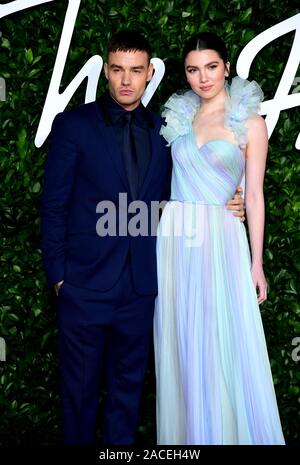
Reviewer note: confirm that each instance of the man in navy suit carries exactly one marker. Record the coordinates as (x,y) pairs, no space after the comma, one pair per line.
(106,284)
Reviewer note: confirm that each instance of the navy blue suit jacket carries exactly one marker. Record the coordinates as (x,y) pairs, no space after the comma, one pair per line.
(84,167)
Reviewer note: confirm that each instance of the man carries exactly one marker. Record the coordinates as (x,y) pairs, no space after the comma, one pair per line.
(107,285)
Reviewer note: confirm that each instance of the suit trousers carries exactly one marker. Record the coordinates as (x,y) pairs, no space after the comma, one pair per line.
(97,330)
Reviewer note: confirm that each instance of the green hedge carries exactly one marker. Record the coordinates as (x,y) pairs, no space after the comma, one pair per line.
(29,381)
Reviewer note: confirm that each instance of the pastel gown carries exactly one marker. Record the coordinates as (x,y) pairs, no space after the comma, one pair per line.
(214,383)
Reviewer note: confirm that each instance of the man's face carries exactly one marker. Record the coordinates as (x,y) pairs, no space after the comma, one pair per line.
(127,74)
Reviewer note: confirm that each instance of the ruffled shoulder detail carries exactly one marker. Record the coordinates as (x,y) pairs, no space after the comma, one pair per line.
(243,102)
(179,112)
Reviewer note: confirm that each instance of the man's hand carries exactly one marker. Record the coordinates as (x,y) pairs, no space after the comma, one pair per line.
(237,204)
(57,287)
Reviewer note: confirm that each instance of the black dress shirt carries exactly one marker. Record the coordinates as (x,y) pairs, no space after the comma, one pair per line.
(113,115)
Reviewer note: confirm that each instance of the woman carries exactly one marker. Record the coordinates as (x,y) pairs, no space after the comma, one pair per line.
(214,384)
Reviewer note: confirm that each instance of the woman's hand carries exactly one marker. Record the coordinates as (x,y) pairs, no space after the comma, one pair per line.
(259,282)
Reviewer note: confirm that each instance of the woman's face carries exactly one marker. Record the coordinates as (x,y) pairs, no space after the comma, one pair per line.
(205,72)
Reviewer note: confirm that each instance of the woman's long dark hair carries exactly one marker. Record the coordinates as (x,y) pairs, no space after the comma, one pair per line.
(204,41)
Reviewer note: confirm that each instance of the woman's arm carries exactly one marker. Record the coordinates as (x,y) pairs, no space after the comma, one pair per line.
(256,155)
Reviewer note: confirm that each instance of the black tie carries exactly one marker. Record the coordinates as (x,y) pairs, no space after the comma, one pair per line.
(129,153)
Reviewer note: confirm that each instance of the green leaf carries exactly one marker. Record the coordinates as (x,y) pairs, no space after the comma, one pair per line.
(245,16)
(5,43)
(14,404)
(36,187)
(29,55)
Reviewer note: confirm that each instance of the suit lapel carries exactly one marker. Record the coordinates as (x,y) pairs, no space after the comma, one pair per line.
(109,140)
(155,153)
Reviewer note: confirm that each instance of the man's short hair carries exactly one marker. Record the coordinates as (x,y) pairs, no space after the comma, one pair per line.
(128,41)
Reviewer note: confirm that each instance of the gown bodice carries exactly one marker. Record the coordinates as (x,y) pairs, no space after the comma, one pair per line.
(211,173)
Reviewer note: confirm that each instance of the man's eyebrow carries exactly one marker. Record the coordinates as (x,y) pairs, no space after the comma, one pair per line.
(113,65)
